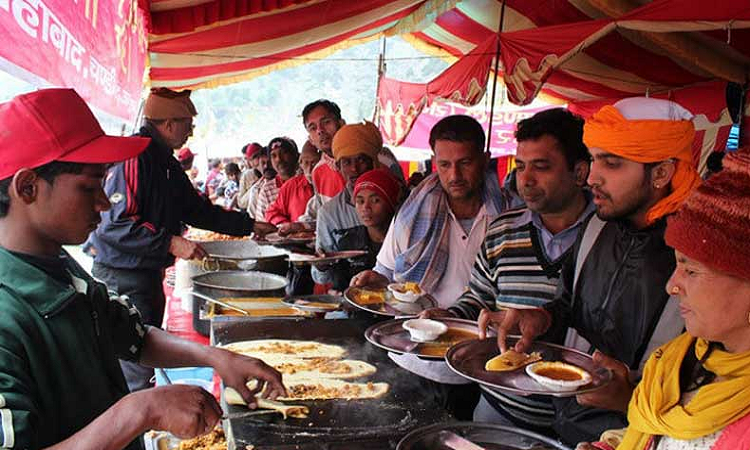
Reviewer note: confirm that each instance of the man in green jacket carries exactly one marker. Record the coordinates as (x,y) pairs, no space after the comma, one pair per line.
(61,332)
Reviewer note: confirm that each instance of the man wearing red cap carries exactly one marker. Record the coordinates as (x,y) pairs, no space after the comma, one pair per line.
(254,166)
(61,332)
(151,200)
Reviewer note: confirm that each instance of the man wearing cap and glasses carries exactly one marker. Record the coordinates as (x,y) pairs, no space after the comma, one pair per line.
(151,200)
(61,332)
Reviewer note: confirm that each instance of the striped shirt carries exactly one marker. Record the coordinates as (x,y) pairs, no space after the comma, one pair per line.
(513,269)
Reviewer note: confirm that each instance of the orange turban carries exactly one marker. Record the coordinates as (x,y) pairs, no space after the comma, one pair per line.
(163,103)
(648,141)
(351,140)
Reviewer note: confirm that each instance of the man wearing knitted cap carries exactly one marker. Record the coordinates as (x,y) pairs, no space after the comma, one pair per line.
(612,291)
(355,150)
(151,200)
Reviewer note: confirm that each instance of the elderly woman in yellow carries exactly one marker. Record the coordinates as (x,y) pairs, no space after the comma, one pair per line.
(695,391)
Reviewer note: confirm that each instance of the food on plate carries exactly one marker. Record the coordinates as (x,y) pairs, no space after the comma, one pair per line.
(214,440)
(196,234)
(368,297)
(328,389)
(558,375)
(286,348)
(314,368)
(314,304)
(408,287)
(232,397)
(511,360)
(441,345)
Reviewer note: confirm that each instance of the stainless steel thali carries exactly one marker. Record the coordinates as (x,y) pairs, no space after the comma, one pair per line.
(448,436)
(390,335)
(468,359)
(389,307)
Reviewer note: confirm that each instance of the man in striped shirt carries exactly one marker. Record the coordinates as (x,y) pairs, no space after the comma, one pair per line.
(519,262)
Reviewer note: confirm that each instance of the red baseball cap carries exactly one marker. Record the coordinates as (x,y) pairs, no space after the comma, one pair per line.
(56,125)
(185,154)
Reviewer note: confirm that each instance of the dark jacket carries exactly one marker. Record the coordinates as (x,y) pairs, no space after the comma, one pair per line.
(59,349)
(151,198)
(355,238)
(616,306)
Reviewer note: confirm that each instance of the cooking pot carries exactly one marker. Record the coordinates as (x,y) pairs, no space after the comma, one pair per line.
(232,283)
(489,436)
(248,255)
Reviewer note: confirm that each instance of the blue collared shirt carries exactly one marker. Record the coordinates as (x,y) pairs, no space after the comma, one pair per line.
(557,244)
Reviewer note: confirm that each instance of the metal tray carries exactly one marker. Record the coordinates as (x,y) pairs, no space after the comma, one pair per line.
(300,258)
(468,358)
(276,239)
(390,335)
(391,307)
(302,302)
(486,435)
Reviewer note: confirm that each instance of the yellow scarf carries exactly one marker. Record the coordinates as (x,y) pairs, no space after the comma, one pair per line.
(655,408)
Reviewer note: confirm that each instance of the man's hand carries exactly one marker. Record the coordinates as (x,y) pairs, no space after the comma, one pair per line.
(185,249)
(434,313)
(183,410)
(289,228)
(530,323)
(369,278)
(236,370)
(615,395)
(261,229)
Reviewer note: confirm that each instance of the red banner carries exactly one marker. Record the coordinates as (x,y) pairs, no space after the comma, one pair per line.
(503,125)
(97,47)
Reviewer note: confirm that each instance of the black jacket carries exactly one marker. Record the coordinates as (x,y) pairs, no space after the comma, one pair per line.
(151,198)
(616,306)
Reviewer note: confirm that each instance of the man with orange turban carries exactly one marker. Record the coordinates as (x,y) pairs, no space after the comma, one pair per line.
(611,293)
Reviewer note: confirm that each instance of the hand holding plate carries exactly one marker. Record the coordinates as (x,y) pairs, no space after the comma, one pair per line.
(616,395)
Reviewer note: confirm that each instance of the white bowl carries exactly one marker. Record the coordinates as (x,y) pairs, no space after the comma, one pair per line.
(424,330)
(556,384)
(407,297)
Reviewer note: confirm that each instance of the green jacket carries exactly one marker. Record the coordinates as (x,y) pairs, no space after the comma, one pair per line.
(59,350)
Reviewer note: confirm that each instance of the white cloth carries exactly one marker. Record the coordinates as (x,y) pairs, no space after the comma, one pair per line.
(463,250)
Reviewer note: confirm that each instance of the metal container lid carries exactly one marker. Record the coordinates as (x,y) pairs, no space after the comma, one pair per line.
(485,435)
(240,280)
(241,250)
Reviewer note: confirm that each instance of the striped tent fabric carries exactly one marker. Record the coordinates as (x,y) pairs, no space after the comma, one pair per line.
(567,51)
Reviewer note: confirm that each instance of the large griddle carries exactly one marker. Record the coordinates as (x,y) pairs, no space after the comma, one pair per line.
(332,424)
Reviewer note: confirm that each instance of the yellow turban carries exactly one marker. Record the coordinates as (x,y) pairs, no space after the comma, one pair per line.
(163,104)
(648,141)
(351,140)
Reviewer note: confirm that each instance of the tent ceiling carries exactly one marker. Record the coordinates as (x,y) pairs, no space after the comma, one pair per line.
(204,43)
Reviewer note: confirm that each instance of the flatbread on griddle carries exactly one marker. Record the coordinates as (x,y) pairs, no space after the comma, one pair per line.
(283,348)
(345,369)
(328,389)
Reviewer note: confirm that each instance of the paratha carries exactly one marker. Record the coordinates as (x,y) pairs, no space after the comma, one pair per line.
(286,349)
(511,360)
(328,389)
(314,368)
(232,397)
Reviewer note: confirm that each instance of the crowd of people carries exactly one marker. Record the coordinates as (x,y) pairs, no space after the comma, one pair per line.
(604,239)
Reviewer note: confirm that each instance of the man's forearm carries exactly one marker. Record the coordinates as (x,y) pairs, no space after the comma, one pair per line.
(112,430)
(161,349)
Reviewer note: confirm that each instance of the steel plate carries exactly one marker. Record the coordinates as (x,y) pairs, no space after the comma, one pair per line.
(299,258)
(390,307)
(303,302)
(486,435)
(390,335)
(468,358)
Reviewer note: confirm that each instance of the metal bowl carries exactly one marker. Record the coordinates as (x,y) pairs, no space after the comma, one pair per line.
(241,250)
(489,436)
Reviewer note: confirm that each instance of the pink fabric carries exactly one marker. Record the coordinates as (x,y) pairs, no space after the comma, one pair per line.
(291,201)
(735,437)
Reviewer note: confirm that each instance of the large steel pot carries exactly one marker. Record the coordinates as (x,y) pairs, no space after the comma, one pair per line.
(232,283)
(249,255)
